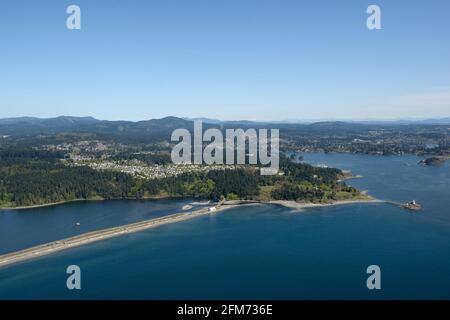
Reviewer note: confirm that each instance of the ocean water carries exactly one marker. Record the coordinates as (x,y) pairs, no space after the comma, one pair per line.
(264,252)
(20,229)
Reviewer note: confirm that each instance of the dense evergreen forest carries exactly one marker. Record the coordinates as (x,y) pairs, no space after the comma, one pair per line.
(30,177)
(40,182)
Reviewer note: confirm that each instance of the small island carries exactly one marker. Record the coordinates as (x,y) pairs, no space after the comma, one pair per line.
(433,161)
(413,206)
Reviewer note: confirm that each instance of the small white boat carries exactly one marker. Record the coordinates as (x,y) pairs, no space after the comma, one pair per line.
(78,224)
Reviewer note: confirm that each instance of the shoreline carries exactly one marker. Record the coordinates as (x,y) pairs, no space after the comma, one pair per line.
(86,200)
(99,235)
(172,197)
(306,205)
(46,204)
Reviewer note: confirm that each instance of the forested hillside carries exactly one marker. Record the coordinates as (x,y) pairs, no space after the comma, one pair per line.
(33,178)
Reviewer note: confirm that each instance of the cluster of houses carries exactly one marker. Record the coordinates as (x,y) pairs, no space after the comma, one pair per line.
(142,170)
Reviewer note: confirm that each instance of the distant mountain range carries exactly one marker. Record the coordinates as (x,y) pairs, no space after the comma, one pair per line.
(36,126)
(49,121)
(159,128)
(436,121)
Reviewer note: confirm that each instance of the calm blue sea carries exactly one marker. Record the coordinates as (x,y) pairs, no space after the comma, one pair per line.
(22,229)
(257,252)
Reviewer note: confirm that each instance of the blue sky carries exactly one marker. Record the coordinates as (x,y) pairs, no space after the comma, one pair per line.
(227,59)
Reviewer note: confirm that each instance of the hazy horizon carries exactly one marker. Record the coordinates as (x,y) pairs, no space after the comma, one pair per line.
(240,119)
